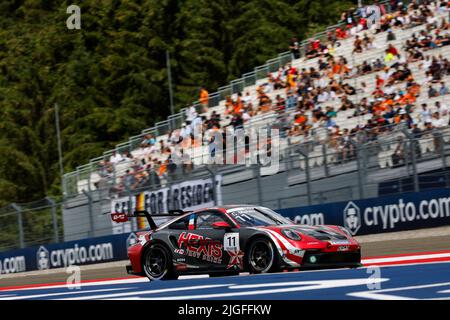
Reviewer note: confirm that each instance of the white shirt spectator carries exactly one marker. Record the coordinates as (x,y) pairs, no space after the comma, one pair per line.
(245,117)
(154,149)
(185,131)
(323,97)
(191,113)
(431,20)
(322,82)
(438,123)
(425,115)
(426,63)
(247,98)
(141,153)
(442,109)
(388,89)
(115,158)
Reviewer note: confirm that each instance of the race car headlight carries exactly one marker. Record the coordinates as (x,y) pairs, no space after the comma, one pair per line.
(291,234)
(345,230)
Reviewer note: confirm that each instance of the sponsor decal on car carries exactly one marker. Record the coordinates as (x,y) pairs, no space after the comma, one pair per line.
(200,247)
(339,242)
(236,259)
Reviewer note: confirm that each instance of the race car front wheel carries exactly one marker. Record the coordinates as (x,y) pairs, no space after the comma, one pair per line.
(157,263)
(261,256)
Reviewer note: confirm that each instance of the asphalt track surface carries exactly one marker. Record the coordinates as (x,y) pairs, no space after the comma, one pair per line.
(400,256)
(393,282)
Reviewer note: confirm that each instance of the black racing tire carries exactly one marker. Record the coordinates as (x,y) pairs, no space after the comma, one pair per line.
(261,256)
(157,263)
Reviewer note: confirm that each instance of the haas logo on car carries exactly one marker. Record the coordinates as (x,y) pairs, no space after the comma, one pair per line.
(352,217)
(42,258)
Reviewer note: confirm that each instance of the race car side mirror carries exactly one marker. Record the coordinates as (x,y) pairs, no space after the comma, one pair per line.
(221,225)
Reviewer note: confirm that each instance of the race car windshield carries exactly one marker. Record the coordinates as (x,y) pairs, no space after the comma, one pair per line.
(257,217)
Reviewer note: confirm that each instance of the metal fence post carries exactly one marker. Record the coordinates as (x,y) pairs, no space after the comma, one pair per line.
(359,154)
(258,184)
(414,166)
(441,150)
(308,174)
(412,150)
(325,160)
(91,218)
(130,207)
(19,224)
(54,219)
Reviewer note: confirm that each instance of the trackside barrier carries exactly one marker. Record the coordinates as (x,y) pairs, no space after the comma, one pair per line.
(61,255)
(408,211)
(415,210)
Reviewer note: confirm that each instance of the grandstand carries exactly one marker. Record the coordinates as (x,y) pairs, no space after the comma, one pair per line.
(338,110)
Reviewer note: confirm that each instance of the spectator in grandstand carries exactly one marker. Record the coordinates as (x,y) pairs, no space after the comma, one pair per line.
(437,121)
(346,146)
(115,158)
(398,157)
(191,113)
(204,98)
(150,139)
(236,120)
(443,90)
(214,120)
(414,55)
(291,101)
(391,36)
(432,92)
(129,180)
(425,114)
(357,45)
(295,48)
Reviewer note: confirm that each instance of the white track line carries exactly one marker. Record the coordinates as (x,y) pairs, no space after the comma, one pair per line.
(83,284)
(406,258)
(58,294)
(114,295)
(304,286)
(380,294)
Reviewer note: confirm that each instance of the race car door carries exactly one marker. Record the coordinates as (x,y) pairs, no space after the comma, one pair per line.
(220,247)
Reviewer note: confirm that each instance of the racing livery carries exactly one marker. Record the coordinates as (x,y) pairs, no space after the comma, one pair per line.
(231,239)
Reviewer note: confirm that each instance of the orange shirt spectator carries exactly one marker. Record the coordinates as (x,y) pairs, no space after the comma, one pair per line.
(204,98)
(162,169)
(300,119)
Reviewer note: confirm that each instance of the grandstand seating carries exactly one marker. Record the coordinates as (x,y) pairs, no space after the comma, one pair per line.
(345,119)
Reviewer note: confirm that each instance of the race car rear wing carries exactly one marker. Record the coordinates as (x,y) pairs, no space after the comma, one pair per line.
(123,217)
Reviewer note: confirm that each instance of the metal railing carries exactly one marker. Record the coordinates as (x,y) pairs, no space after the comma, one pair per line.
(29,224)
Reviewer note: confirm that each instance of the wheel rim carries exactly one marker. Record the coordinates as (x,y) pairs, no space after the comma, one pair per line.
(261,256)
(155,262)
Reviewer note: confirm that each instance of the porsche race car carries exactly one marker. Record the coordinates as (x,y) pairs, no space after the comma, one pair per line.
(228,240)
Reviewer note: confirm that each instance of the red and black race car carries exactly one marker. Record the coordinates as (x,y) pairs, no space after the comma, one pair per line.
(231,239)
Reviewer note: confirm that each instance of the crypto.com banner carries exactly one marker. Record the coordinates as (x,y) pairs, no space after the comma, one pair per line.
(187,195)
(406,211)
(65,254)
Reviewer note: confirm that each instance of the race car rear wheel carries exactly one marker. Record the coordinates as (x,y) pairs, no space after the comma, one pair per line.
(157,263)
(261,256)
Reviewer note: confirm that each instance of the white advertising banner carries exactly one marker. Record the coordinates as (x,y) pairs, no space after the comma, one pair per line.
(187,195)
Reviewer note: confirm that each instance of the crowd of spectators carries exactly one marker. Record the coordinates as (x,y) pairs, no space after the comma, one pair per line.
(307,100)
